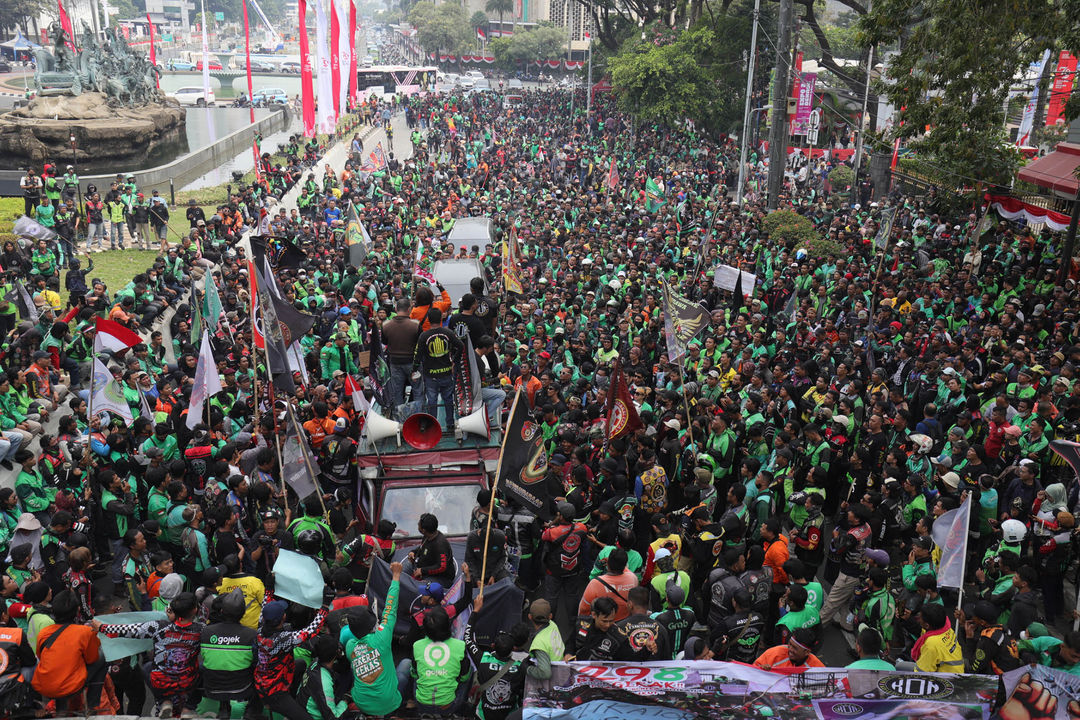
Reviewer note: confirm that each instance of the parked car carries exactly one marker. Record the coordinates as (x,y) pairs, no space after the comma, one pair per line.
(180,65)
(266,96)
(514,84)
(5,66)
(260,66)
(290,66)
(193,96)
(214,65)
(475,74)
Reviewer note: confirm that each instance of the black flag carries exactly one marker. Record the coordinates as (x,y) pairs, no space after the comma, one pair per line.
(737,302)
(272,329)
(523,461)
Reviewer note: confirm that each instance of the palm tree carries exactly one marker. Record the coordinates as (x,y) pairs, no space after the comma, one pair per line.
(500,7)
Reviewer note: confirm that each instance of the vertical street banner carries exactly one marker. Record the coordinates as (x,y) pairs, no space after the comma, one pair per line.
(335,58)
(804,103)
(1023,133)
(1064,77)
(324,105)
(307,93)
(352,50)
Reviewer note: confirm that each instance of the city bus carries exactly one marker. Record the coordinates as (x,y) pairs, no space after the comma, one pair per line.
(395,79)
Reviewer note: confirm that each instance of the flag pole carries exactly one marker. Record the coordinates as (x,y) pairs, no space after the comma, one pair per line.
(494,487)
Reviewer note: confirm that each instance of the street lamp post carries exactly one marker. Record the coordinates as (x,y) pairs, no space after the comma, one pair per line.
(75,164)
(748,113)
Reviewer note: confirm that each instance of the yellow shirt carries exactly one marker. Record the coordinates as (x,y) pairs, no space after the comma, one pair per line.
(253,590)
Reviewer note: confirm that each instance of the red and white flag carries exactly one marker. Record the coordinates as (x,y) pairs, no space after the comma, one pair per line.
(481,34)
(360,402)
(113,336)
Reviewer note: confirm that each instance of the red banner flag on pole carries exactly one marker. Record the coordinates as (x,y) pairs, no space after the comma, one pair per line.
(307,91)
(352,51)
(622,415)
(65,23)
(153,52)
(335,59)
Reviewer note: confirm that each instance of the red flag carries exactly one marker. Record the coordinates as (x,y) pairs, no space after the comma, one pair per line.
(895,154)
(335,59)
(65,23)
(251,92)
(153,53)
(307,92)
(352,50)
(622,416)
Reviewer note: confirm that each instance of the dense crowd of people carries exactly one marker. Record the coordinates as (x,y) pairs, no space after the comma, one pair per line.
(787,477)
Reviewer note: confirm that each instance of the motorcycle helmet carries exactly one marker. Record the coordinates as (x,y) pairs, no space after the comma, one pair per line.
(1013,531)
(309,542)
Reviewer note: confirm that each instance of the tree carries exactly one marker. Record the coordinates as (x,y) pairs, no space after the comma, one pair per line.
(698,75)
(956,64)
(478,20)
(545,42)
(500,8)
(446,28)
(18,14)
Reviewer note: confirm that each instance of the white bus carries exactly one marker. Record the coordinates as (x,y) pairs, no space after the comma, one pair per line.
(395,79)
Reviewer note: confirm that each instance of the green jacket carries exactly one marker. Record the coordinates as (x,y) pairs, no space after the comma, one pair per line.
(439,668)
(33,495)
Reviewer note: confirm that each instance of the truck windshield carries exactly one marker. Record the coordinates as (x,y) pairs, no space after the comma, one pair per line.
(452,504)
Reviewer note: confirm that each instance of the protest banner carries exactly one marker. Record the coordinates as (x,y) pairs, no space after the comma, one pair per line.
(1037,691)
(725,277)
(298,578)
(119,648)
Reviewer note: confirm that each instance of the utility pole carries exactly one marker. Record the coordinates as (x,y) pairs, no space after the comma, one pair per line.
(778,120)
(745,134)
(863,124)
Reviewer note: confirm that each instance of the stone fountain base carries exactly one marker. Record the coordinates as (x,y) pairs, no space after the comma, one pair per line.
(42,130)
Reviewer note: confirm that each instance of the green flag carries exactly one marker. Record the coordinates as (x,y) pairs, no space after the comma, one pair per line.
(196,316)
(211,304)
(654,196)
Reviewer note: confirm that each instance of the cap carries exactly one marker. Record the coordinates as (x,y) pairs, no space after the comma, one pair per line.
(661,554)
(951,479)
(673,424)
(433,590)
(879,556)
(40,355)
(340,424)
(566,510)
(274,612)
(986,611)
(923,542)
(540,609)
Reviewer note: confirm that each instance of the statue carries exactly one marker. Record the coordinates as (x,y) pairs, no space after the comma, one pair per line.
(126,78)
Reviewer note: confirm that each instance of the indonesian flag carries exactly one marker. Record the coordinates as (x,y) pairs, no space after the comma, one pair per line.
(613,176)
(481,35)
(113,336)
(360,402)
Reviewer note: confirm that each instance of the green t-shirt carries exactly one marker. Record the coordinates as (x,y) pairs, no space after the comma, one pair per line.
(806,618)
(371,658)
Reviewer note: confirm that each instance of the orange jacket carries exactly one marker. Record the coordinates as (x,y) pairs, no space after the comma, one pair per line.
(61,671)
(776,554)
(420,313)
(777,657)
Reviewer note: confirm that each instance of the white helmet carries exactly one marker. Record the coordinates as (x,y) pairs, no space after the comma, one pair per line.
(1013,531)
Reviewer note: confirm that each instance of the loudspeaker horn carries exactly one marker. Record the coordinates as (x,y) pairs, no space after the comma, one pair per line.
(476,423)
(422,431)
(379,427)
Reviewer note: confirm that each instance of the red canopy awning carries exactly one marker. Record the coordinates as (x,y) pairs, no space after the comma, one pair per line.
(1055,171)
